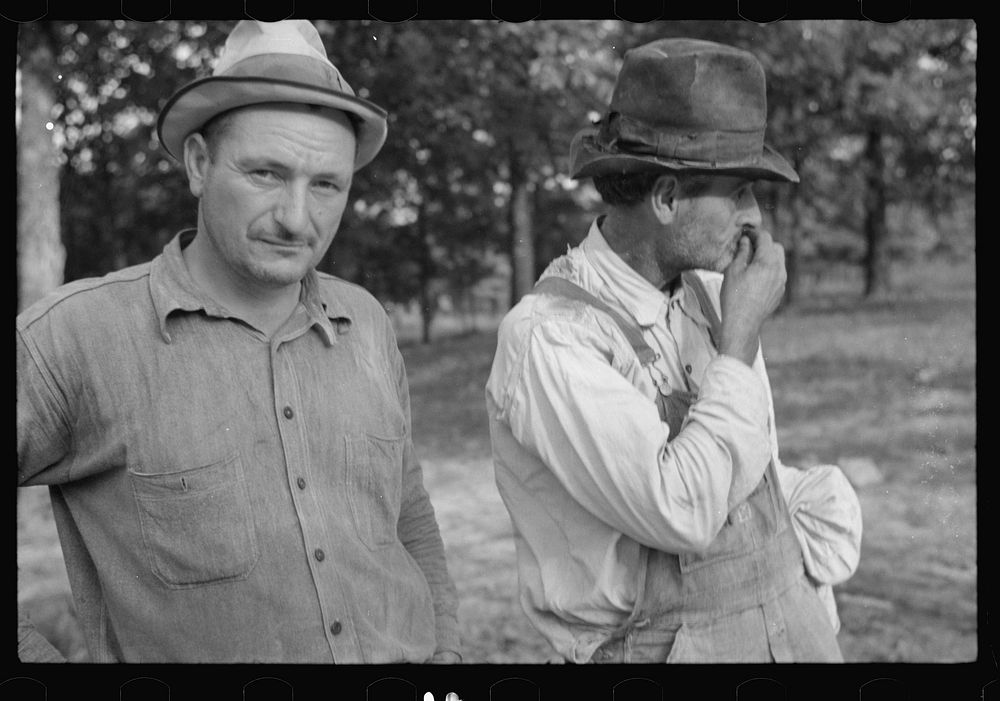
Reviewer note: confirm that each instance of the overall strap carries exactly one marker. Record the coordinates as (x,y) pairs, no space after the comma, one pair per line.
(705,302)
(562,287)
(707,308)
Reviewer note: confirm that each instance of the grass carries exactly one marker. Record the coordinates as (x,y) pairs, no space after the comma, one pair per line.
(892,380)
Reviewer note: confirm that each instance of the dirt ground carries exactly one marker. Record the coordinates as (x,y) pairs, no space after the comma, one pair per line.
(890,381)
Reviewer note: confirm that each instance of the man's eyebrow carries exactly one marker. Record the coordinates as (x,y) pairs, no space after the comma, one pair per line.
(265,162)
(251,161)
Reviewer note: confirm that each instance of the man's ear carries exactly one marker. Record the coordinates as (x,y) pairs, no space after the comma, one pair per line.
(196,161)
(663,197)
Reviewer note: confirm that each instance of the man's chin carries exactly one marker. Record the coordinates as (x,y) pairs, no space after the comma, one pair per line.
(278,275)
(721,264)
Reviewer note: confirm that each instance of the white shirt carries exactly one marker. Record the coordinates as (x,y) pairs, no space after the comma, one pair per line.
(587,469)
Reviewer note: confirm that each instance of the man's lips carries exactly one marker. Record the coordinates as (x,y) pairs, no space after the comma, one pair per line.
(281,243)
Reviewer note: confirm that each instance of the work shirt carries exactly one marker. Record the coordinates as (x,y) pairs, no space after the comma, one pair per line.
(586,467)
(222,496)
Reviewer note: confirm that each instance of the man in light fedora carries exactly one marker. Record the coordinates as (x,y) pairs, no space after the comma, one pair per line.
(225,430)
(633,428)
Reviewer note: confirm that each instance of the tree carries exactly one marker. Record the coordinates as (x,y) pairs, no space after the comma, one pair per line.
(907,91)
(115,76)
(429,193)
(474,136)
(475,168)
(41,255)
(471,144)
(870,115)
(553,75)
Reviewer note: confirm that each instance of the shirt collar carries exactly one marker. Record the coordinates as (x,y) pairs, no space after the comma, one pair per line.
(323,308)
(173,289)
(690,305)
(643,301)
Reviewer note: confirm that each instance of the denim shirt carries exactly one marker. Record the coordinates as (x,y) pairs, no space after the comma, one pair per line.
(225,497)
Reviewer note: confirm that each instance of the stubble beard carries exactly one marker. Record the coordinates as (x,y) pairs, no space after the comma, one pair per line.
(699,254)
(255,267)
(722,260)
(272,276)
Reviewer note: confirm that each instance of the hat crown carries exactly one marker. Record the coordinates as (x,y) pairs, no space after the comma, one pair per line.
(270,62)
(683,104)
(692,85)
(297,37)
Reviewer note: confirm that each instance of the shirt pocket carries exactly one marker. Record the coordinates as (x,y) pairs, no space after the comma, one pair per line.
(374,470)
(196,523)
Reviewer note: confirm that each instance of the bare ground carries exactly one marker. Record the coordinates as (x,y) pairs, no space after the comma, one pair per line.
(892,381)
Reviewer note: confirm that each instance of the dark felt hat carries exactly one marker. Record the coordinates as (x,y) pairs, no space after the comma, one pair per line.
(683,104)
(270,62)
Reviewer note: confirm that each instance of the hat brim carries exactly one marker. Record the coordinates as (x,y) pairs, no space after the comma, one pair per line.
(587,161)
(195,104)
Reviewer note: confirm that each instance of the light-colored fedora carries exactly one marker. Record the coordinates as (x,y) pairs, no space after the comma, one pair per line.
(683,104)
(270,62)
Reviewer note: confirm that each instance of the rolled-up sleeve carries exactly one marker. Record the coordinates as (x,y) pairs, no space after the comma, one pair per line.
(826,516)
(604,440)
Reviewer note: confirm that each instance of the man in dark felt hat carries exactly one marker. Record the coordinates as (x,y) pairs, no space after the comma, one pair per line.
(632,427)
(226,431)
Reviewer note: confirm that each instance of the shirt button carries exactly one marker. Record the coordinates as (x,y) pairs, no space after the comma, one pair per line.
(336,628)
(288,412)
(319,555)
(688,368)
(301,482)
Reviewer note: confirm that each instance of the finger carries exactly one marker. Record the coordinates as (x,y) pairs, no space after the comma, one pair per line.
(762,239)
(755,232)
(776,255)
(743,250)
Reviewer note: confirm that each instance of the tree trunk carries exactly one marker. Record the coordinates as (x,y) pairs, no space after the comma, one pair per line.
(791,203)
(428,300)
(41,257)
(522,240)
(877,263)
(428,304)
(793,254)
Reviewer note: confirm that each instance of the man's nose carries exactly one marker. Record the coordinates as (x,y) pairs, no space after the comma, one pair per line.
(750,211)
(292,211)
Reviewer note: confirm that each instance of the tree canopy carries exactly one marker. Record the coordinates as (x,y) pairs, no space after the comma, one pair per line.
(472,182)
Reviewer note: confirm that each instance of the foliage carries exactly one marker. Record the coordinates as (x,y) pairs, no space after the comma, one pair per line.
(481,114)
(832,83)
(122,197)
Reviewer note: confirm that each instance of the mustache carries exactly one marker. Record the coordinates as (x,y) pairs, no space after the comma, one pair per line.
(280,233)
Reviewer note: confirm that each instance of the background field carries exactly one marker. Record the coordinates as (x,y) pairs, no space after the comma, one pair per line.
(890,381)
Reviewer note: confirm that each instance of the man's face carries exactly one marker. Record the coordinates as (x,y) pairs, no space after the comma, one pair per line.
(272,191)
(709,221)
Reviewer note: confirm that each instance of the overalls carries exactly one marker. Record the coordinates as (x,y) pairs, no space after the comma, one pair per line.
(746,598)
